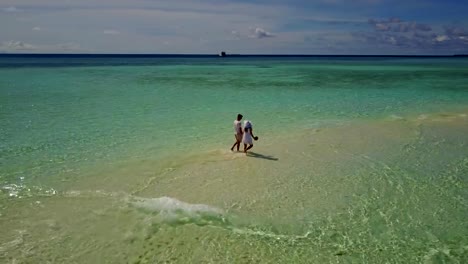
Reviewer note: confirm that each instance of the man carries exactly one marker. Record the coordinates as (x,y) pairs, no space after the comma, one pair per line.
(237,132)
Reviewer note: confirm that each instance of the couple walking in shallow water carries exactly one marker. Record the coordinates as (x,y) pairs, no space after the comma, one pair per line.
(245,135)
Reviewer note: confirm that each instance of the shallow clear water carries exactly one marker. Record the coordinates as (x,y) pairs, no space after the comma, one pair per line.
(127,160)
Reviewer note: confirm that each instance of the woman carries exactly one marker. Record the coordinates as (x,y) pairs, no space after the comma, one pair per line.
(248,136)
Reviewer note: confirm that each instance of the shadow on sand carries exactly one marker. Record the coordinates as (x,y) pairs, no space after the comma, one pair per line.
(260,156)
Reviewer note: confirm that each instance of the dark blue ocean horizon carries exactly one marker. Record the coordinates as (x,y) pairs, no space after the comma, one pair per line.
(191,55)
(20,60)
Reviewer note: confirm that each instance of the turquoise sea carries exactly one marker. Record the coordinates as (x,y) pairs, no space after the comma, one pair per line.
(121,159)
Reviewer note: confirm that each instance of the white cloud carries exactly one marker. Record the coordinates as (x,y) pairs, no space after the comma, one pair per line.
(11,9)
(20,46)
(260,33)
(67,47)
(16,46)
(111,32)
(442,38)
(382,27)
(36,29)
(235,35)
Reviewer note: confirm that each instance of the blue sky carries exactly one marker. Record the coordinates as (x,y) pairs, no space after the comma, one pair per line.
(410,27)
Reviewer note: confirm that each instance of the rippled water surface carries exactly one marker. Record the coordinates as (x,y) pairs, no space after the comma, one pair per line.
(360,160)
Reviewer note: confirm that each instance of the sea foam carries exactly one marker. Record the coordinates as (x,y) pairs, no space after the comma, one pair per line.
(172,210)
(22,190)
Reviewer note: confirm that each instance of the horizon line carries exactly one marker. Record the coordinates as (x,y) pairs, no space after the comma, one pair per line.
(5,54)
